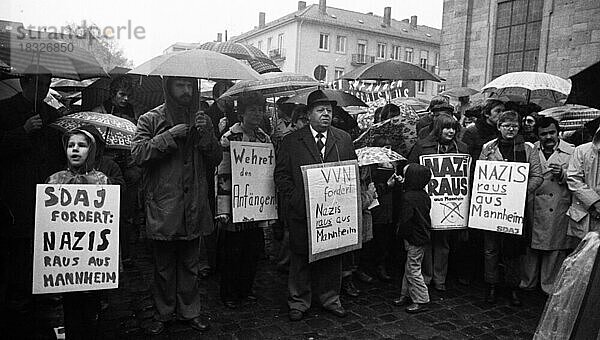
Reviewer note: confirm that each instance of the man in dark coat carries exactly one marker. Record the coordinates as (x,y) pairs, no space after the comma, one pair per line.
(31,151)
(319,142)
(175,146)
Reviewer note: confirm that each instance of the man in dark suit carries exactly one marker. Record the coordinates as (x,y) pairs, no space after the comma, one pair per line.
(318,142)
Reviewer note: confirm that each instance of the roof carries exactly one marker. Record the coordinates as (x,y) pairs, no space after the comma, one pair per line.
(355,20)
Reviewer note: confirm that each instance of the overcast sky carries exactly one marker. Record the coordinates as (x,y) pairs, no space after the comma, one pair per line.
(168,21)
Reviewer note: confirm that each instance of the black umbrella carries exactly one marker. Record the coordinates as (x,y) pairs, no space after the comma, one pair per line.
(585,87)
(342,98)
(391,70)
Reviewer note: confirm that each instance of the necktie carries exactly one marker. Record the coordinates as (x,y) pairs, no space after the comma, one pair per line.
(320,144)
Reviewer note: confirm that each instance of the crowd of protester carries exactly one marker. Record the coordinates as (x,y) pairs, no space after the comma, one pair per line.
(176,192)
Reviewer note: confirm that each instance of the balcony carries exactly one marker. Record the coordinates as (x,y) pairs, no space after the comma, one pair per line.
(362,59)
(277,54)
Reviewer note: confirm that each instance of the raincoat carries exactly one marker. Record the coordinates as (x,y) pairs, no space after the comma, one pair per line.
(174,180)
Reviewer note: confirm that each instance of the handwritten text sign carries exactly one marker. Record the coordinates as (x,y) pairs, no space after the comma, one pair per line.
(498,197)
(76,244)
(253,188)
(448,189)
(333,208)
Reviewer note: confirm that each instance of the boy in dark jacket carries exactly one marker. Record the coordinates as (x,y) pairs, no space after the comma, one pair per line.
(413,225)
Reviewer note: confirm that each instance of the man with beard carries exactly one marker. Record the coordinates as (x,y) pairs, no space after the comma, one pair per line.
(319,142)
(175,146)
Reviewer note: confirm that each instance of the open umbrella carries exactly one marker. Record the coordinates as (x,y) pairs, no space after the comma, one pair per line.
(529,86)
(196,64)
(117,132)
(273,84)
(373,155)
(571,116)
(62,57)
(585,87)
(342,98)
(255,57)
(391,70)
(459,92)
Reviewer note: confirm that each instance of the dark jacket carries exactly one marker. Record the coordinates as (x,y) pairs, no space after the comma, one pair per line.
(430,146)
(27,160)
(174,172)
(298,149)
(382,214)
(413,221)
(476,135)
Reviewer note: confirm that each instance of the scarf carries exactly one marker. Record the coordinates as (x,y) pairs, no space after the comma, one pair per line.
(513,150)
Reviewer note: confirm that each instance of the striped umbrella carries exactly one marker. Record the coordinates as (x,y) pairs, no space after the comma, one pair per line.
(255,57)
(571,116)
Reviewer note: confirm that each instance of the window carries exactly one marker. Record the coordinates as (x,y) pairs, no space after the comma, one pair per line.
(324,42)
(441,88)
(423,59)
(397,53)
(381,47)
(340,44)
(437,63)
(421,86)
(259,45)
(269,41)
(338,72)
(280,43)
(408,55)
(518,28)
(361,49)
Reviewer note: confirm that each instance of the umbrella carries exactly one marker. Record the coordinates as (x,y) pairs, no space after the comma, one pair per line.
(342,98)
(196,64)
(459,92)
(273,84)
(401,130)
(373,155)
(585,87)
(62,57)
(255,57)
(117,132)
(391,70)
(571,116)
(529,86)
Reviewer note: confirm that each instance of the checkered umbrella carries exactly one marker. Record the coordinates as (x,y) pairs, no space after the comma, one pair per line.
(255,57)
(571,116)
(373,155)
(117,132)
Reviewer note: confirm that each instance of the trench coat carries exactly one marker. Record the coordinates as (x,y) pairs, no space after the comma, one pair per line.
(583,179)
(551,202)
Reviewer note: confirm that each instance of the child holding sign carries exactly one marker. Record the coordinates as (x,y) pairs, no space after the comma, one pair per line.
(413,225)
(80,309)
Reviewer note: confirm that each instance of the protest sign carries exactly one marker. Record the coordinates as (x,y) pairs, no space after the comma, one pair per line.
(448,189)
(332,193)
(253,188)
(76,242)
(498,197)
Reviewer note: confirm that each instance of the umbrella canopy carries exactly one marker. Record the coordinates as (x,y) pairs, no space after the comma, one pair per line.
(571,116)
(117,132)
(459,92)
(391,70)
(342,98)
(373,155)
(529,86)
(63,58)
(255,57)
(585,85)
(273,84)
(196,64)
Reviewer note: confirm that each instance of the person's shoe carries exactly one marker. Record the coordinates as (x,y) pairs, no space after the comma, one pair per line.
(198,324)
(230,304)
(295,315)
(490,294)
(514,299)
(440,287)
(340,312)
(401,301)
(383,275)
(349,288)
(156,327)
(416,308)
(364,277)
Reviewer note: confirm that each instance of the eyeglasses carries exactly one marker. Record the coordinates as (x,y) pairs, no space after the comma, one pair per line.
(509,126)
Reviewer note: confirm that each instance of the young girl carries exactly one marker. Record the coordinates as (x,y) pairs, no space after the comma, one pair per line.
(413,225)
(80,308)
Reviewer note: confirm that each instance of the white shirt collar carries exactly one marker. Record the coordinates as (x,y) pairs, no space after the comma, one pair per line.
(314,133)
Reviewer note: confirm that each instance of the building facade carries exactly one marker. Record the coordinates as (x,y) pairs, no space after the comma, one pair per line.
(483,39)
(342,40)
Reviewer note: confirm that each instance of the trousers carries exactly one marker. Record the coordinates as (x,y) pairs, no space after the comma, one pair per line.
(323,276)
(413,284)
(435,258)
(541,266)
(492,257)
